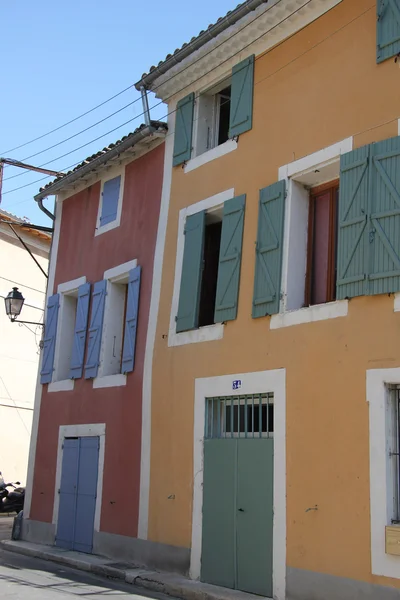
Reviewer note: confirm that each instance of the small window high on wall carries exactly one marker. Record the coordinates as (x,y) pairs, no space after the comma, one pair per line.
(322,244)
(213,117)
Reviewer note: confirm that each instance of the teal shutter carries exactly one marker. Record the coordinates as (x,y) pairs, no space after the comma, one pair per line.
(230,256)
(352,257)
(95,329)
(384,226)
(183,130)
(81,323)
(387,29)
(132,309)
(267,278)
(241,115)
(49,339)
(189,297)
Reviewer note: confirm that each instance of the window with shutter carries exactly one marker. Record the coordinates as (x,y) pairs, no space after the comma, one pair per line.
(49,339)
(131,321)
(110,199)
(269,246)
(387,29)
(79,339)
(183,130)
(95,329)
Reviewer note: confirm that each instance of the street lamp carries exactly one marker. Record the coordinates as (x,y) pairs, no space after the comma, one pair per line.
(14,302)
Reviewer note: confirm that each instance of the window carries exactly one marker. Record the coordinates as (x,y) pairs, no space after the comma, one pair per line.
(394,448)
(249,416)
(113,334)
(213,117)
(110,205)
(322,244)
(208,291)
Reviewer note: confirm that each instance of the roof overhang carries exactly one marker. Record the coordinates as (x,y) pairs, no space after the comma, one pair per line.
(135,144)
(258,26)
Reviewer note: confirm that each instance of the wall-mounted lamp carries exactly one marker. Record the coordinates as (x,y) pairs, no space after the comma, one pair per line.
(14,302)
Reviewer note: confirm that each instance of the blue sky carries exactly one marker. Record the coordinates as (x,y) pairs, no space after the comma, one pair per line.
(60,59)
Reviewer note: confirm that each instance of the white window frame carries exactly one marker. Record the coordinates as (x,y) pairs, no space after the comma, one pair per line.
(380,468)
(317,168)
(68,288)
(111,174)
(208,333)
(118,274)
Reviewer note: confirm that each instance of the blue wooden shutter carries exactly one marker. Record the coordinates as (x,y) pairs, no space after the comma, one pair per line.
(81,322)
(111,190)
(230,256)
(50,332)
(352,256)
(183,130)
(387,29)
(241,115)
(189,296)
(384,226)
(269,246)
(132,307)
(95,329)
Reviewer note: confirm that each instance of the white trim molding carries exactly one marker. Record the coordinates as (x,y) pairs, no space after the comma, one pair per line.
(252,383)
(381,498)
(68,287)
(107,381)
(206,157)
(310,314)
(65,385)
(396,304)
(120,273)
(113,172)
(86,430)
(210,332)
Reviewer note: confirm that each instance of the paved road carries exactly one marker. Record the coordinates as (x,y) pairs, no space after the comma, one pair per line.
(26,578)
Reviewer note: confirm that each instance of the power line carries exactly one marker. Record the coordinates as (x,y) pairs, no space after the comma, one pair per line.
(22,285)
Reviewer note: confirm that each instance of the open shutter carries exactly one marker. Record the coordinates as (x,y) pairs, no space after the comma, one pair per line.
(95,329)
(189,296)
(49,340)
(241,115)
(387,29)
(132,307)
(183,130)
(81,322)
(384,229)
(352,258)
(230,255)
(267,278)
(109,207)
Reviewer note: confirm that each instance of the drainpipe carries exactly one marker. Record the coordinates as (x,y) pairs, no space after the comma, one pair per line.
(44,209)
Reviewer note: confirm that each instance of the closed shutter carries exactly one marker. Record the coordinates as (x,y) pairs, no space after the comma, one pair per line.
(241,115)
(81,322)
(189,296)
(388,29)
(49,340)
(111,190)
(269,246)
(384,230)
(352,259)
(183,130)
(230,260)
(132,307)
(95,329)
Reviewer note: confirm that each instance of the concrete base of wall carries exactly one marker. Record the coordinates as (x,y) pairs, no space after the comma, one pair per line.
(307,585)
(38,532)
(142,552)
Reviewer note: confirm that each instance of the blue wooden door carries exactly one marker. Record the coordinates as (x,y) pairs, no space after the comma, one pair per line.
(78,493)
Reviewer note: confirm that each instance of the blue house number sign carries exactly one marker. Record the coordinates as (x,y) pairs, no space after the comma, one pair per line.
(236,384)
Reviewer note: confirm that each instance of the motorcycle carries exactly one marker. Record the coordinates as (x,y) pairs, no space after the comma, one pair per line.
(11,501)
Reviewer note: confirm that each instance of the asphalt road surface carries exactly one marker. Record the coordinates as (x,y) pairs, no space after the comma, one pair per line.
(26,578)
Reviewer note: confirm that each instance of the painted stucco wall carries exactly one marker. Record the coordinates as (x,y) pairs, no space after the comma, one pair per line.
(317,88)
(19,349)
(81,253)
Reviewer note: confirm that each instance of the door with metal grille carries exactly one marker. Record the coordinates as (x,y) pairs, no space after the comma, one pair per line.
(238,493)
(78,493)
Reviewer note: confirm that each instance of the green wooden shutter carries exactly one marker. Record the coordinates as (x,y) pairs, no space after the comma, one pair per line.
(230,255)
(241,115)
(267,278)
(384,229)
(387,29)
(189,296)
(183,130)
(352,257)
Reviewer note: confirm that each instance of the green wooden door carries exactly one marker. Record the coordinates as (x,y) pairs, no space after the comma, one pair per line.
(238,514)
(255,515)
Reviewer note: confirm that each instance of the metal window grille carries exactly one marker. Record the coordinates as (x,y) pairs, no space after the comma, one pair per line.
(250,416)
(394,449)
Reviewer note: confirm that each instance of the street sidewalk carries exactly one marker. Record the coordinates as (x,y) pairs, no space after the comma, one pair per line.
(166,583)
